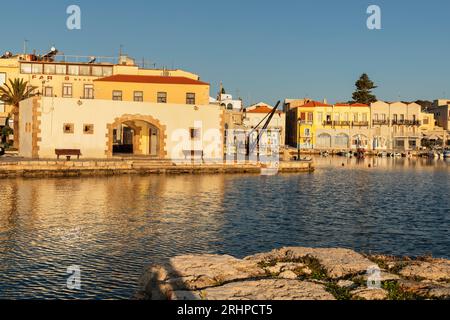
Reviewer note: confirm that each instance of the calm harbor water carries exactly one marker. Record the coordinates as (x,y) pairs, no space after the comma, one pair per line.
(113,227)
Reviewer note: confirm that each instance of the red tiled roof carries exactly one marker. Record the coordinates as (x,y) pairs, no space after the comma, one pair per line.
(350,105)
(152,79)
(262,109)
(312,104)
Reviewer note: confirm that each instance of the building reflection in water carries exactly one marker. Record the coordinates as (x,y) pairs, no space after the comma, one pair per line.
(114,226)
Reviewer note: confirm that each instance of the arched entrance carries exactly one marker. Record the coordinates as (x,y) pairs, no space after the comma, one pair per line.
(136,135)
(324,141)
(341,141)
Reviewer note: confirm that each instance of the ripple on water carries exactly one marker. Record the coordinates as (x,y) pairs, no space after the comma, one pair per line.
(113,227)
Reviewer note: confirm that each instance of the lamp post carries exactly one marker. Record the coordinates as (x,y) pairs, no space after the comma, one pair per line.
(299,136)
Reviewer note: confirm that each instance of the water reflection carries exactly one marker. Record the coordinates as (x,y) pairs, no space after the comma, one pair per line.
(113,227)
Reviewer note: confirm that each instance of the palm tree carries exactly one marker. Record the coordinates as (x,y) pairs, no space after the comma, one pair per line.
(12,94)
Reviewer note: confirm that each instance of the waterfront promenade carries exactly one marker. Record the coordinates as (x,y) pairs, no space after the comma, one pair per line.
(16,167)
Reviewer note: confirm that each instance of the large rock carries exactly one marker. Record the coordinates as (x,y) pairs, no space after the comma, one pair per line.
(427,289)
(437,270)
(370,294)
(266,289)
(194,272)
(338,263)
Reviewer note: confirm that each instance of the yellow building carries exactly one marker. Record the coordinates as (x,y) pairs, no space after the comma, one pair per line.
(317,125)
(154,89)
(71,76)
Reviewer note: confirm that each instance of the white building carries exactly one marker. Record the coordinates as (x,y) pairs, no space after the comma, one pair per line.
(254,114)
(104,129)
(227,102)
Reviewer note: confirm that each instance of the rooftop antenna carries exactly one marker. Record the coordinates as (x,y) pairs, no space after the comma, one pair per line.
(25,42)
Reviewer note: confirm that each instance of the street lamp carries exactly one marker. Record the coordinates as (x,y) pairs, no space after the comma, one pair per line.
(299,136)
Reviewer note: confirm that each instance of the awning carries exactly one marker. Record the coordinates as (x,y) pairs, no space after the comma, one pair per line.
(434,137)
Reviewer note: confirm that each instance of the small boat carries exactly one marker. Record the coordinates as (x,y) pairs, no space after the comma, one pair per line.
(383,154)
(446,154)
(433,155)
(324,154)
(361,153)
(271,169)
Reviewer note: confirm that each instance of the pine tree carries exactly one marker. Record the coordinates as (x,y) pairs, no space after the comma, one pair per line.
(363,93)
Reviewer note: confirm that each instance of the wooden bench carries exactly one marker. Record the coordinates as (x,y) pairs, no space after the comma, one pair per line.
(192,154)
(68,153)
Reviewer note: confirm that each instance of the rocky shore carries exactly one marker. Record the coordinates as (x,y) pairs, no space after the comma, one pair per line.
(297,274)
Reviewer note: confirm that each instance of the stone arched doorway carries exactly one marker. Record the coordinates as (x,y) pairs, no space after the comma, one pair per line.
(136,135)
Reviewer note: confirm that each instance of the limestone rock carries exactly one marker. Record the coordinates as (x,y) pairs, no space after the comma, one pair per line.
(428,289)
(288,275)
(437,270)
(346,284)
(267,289)
(194,272)
(370,294)
(337,262)
(384,276)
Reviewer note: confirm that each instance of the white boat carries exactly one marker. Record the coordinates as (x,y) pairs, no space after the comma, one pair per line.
(446,154)
(271,169)
(433,155)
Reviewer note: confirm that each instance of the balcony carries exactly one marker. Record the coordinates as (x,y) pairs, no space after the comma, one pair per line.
(380,122)
(406,123)
(306,122)
(342,123)
(360,123)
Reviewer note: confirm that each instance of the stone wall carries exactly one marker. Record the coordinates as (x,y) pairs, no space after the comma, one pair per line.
(54,168)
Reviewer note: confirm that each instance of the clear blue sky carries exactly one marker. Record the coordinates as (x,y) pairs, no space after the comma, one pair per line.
(265,50)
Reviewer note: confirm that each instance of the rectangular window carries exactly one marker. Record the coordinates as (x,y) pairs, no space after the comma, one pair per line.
(375,117)
(61,69)
(37,68)
(117,95)
(97,71)
(337,117)
(364,117)
(67,90)
(162,97)
(383,117)
(85,70)
(88,91)
(68,128)
(74,70)
(190,98)
(346,117)
(107,71)
(48,92)
(26,68)
(88,129)
(310,117)
(320,117)
(195,133)
(49,69)
(2,82)
(355,117)
(138,96)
